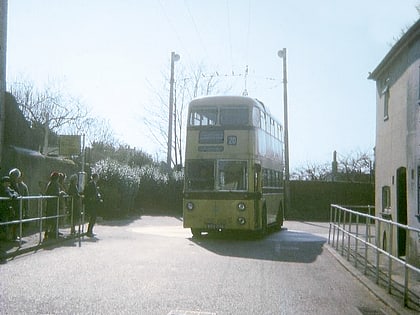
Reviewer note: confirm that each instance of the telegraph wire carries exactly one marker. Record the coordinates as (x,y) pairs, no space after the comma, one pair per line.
(173,28)
(248,33)
(229,33)
(196,29)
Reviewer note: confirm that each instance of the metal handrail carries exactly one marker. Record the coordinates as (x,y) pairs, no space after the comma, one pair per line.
(338,223)
(40,217)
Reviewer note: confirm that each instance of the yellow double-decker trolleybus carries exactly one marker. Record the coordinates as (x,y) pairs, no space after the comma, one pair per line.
(234,166)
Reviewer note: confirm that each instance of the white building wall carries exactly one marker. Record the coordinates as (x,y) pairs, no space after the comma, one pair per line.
(398,145)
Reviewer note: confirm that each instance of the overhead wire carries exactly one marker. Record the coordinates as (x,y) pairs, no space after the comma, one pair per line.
(200,39)
(173,28)
(232,73)
(229,34)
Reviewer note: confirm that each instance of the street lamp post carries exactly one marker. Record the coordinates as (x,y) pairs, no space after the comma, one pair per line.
(174,57)
(282,54)
(3,51)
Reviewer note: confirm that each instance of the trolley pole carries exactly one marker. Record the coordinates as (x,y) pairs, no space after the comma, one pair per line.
(3,50)
(282,54)
(174,57)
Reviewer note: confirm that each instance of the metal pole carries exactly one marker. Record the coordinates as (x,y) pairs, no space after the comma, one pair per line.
(174,57)
(3,50)
(283,54)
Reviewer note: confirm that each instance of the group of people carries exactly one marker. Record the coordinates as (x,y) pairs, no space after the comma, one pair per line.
(12,187)
(91,198)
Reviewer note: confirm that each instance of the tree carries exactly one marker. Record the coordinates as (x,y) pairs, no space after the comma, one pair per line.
(188,86)
(311,171)
(53,111)
(352,167)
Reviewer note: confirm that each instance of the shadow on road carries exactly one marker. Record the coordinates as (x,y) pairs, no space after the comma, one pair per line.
(288,246)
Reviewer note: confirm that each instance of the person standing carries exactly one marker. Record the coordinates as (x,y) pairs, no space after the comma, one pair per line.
(93,199)
(8,207)
(18,185)
(73,191)
(53,189)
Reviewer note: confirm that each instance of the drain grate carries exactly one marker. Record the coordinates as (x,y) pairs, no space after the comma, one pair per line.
(181,312)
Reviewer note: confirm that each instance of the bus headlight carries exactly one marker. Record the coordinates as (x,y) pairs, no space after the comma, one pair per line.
(190,205)
(241,206)
(241,220)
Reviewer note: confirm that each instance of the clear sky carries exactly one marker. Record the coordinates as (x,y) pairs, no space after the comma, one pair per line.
(110,53)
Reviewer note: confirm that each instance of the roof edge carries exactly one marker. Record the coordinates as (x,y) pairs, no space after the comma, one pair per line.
(408,36)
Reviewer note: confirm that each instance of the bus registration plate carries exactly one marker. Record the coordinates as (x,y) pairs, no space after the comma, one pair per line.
(214,226)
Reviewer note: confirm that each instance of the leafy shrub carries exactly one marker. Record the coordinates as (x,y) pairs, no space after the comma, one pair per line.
(129,189)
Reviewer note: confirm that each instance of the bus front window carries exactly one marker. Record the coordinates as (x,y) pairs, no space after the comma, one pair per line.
(200,175)
(203,116)
(234,116)
(232,175)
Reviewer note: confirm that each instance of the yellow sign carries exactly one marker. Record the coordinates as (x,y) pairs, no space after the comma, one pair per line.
(69,145)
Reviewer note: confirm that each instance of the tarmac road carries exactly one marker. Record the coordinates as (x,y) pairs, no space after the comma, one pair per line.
(154,266)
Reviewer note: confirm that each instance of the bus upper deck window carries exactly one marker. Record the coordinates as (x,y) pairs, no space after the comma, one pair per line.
(234,116)
(256,117)
(203,117)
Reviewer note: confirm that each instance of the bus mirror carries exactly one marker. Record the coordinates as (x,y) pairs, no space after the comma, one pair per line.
(257,168)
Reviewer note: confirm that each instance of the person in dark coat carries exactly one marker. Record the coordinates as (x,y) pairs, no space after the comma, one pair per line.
(53,189)
(92,201)
(73,191)
(8,207)
(18,185)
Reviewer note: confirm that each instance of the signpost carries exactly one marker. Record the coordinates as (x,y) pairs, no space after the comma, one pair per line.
(69,145)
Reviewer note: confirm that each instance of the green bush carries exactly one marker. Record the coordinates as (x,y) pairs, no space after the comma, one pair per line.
(130,189)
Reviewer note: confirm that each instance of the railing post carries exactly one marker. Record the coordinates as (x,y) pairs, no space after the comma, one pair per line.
(329,230)
(366,243)
(57,217)
(40,215)
(338,228)
(20,222)
(357,239)
(406,271)
(344,231)
(389,245)
(377,250)
(334,225)
(348,237)
(405,284)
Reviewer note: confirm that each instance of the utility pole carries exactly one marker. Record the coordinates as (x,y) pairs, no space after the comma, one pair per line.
(174,57)
(3,50)
(282,54)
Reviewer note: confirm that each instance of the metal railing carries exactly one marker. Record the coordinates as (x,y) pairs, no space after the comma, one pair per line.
(31,210)
(357,236)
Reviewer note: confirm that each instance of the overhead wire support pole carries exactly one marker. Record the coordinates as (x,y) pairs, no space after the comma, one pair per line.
(174,57)
(3,52)
(282,54)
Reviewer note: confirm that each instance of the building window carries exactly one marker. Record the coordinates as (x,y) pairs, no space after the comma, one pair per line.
(386,198)
(385,94)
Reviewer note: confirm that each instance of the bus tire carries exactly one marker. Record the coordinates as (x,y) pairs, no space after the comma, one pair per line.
(196,232)
(263,230)
(280,217)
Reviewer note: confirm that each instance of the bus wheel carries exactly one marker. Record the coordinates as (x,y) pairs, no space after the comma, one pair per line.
(263,230)
(196,232)
(280,216)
